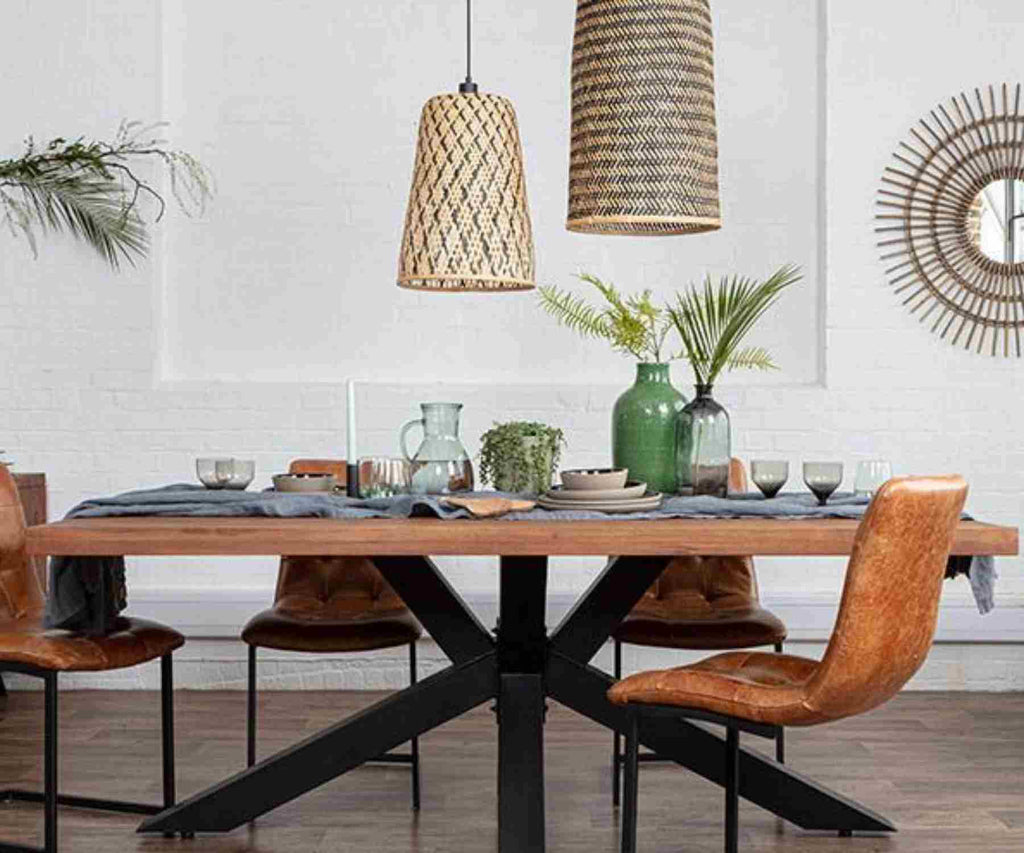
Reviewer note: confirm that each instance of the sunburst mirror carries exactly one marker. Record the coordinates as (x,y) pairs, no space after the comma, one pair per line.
(951,221)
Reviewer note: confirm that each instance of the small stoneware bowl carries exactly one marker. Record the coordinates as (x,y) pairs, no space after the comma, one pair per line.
(589,479)
(305,482)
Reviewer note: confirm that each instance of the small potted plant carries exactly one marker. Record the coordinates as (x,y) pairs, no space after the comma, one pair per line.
(520,456)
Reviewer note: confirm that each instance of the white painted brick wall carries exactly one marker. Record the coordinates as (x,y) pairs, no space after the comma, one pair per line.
(85,355)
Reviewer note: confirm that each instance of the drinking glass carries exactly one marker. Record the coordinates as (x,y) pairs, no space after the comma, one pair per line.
(214,473)
(823,478)
(871,475)
(769,476)
(383,477)
(226,473)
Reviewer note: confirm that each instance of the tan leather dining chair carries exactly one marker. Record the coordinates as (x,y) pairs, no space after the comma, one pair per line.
(883,632)
(332,605)
(27,647)
(700,604)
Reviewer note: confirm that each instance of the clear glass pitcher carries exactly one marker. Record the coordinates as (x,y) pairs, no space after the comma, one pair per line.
(441,465)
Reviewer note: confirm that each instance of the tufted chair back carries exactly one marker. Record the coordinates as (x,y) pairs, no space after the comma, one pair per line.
(890,602)
(20,594)
(326,588)
(697,587)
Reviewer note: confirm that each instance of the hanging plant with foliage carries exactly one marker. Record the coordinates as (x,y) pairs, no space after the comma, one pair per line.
(712,322)
(91,190)
(633,325)
(520,456)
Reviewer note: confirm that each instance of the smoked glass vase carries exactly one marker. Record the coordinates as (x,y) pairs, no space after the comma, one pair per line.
(703,446)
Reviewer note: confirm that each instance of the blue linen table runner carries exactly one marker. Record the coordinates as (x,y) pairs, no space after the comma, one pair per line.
(76,582)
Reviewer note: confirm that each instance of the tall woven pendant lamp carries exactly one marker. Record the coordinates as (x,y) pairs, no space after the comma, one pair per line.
(467,227)
(644,158)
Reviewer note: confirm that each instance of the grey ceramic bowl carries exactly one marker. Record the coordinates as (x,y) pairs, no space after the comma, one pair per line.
(589,479)
(305,482)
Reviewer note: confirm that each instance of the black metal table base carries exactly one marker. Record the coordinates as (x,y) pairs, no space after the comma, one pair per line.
(519,666)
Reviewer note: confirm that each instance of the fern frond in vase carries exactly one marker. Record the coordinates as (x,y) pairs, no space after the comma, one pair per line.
(91,190)
(632,324)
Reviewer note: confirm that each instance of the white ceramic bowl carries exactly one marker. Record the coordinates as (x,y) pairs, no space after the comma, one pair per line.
(590,479)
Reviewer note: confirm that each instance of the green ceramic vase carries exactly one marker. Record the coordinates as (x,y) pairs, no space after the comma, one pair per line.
(644,428)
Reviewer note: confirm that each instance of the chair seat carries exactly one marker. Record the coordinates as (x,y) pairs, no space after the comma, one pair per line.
(131,642)
(741,628)
(358,631)
(755,686)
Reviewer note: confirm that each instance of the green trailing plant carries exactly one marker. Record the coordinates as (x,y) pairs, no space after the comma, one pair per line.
(632,324)
(92,190)
(713,320)
(520,456)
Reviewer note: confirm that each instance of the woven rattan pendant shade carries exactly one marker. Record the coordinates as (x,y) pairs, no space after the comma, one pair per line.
(644,156)
(467,227)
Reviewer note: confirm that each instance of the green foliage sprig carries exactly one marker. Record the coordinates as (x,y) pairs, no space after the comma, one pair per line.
(91,191)
(713,320)
(633,325)
(511,462)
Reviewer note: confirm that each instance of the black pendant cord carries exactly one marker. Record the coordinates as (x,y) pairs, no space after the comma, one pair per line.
(469,87)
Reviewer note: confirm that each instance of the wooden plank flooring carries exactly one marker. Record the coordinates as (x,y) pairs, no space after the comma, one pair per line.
(947,768)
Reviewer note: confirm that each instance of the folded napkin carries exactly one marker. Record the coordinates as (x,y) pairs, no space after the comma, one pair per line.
(489,507)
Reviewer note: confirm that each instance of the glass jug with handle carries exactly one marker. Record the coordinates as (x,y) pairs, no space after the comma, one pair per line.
(441,465)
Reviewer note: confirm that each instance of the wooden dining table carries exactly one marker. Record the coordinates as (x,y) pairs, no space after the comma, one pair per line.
(520,663)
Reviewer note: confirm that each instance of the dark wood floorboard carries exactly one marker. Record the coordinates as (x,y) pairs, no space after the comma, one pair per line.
(947,768)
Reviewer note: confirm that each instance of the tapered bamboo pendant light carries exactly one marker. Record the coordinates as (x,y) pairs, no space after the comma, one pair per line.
(644,158)
(467,227)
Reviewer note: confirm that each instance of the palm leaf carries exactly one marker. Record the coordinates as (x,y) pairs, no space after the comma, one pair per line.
(90,191)
(713,321)
(87,209)
(752,358)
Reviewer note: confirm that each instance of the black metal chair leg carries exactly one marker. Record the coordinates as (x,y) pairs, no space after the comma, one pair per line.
(50,764)
(167,726)
(415,740)
(732,792)
(250,728)
(51,798)
(616,738)
(631,770)
(780,735)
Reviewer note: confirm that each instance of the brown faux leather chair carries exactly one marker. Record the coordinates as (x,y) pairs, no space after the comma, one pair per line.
(27,647)
(333,605)
(700,604)
(882,635)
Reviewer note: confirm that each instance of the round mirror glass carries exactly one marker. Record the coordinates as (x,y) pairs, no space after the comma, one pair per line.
(996,221)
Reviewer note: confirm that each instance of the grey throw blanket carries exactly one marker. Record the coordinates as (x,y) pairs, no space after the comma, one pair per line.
(86,593)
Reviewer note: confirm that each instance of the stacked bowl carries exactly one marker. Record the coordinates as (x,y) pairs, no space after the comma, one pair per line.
(601,490)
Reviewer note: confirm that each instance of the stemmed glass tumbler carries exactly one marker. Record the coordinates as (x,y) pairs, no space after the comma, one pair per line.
(769,476)
(823,478)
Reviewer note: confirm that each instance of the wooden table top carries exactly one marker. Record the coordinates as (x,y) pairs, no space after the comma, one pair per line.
(151,536)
